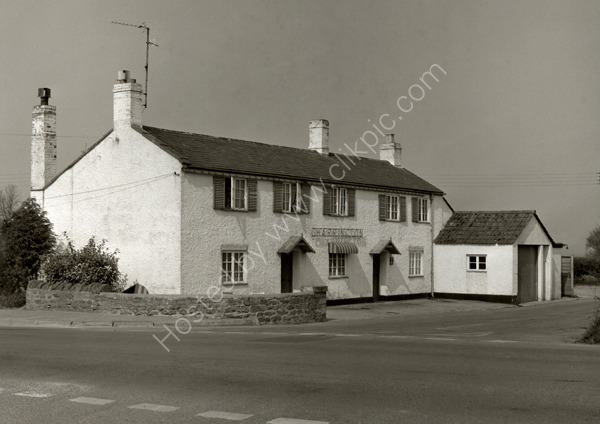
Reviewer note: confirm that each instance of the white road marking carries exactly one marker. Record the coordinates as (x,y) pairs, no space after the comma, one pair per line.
(294,421)
(458,326)
(92,401)
(501,341)
(224,415)
(347,335)
(439,338)
(32,394)
(153,407)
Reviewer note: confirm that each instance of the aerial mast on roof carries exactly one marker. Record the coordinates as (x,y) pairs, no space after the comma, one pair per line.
(148,44)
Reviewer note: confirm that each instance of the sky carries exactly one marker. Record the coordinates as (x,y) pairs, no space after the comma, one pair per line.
(513,124)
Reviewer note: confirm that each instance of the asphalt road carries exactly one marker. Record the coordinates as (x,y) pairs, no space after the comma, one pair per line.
(511,365)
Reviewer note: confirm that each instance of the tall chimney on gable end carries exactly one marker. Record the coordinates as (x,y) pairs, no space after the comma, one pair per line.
(43,142)
(391,151)
(318,132)
(127,102)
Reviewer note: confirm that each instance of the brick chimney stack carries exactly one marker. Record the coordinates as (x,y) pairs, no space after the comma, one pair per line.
(391,151)
(318,132)
(43,142)
(127,102)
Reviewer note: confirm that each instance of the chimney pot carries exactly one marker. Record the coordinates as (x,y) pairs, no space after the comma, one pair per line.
(44,95)
(123,76)
(318,131)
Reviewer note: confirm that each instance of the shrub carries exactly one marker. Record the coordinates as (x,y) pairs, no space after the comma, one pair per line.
(592,334)
(93,263)
(27,236)
(13,300)
(586,266)
(586,280)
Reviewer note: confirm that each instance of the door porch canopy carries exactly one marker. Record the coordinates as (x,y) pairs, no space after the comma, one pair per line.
(296,242)
(383,245)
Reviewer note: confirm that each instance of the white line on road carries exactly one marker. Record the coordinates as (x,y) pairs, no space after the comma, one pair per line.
(153,407)
(501,341)
(439,338)
(32,394)
(92,401)
(458,326)
(294,421)
(224,415)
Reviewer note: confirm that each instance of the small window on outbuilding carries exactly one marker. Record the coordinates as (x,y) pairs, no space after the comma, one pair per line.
(476,263)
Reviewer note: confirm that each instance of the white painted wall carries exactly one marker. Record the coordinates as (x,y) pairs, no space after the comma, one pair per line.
(452,276)
(204,230)
(124,191)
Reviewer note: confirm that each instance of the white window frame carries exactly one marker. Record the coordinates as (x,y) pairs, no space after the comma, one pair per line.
(337,265)
(415,263)
(480,263)
(234,190)
(392,207)
(291,204)
(339,201)
(423,210)
(233,269)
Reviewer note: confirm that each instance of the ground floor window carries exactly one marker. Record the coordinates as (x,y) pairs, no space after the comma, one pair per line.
(337,264)
(415,268)
(476,263)
(232,267)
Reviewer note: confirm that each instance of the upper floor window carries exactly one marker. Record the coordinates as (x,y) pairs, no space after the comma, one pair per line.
(233,193)
(339,202)
(420,209)
(392,208)
(291,197)
(476,263)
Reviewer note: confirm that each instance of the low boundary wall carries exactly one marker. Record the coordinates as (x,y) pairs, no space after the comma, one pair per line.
(304,307)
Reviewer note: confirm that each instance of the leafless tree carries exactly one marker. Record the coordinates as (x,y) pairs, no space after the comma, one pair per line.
(9,200)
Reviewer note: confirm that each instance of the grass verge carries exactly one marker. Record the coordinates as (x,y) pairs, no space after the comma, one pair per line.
(592,334)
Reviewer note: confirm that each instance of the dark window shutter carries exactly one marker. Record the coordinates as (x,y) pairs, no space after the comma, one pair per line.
(382,207)
(277,196)
(305,198)
(252,195)
(219,192)
(351,202)
(403,209)
(415,209)
(327,201)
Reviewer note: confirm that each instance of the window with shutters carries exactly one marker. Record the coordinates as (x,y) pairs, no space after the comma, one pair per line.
(339,201)
(236,194)
(337,264)
(292,197)
(232,267)
(476,263)
(392,208)
(415,264)
(420,209)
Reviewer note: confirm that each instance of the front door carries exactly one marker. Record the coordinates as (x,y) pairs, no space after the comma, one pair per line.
(528,272)
(376,261)
(287,265)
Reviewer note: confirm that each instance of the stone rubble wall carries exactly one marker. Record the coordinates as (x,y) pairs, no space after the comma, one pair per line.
(289,308)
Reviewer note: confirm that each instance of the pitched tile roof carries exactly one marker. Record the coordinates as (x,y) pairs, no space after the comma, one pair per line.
(198,151)
(479,227)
